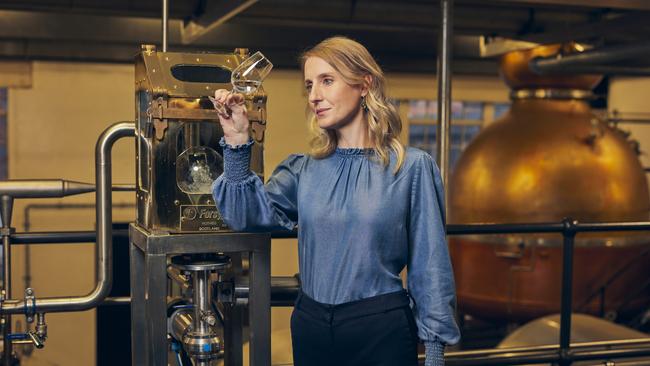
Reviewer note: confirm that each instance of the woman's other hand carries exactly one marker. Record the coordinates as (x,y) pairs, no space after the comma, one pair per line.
(235,124)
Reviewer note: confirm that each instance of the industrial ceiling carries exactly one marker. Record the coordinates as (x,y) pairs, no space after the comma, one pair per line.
(403,35)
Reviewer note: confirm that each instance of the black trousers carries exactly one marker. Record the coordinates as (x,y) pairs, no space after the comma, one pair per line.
(377,331)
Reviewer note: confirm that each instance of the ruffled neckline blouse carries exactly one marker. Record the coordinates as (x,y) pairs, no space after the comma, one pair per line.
(354,151)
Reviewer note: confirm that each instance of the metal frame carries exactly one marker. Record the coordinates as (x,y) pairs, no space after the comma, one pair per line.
(149,254)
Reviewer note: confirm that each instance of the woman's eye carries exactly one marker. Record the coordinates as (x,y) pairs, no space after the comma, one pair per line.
(308,87)
(328,81)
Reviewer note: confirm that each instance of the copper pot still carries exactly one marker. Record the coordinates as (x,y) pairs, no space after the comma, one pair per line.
(548,158)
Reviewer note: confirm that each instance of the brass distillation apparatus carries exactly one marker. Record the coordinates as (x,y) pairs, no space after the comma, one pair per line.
(548,158)
(179,236)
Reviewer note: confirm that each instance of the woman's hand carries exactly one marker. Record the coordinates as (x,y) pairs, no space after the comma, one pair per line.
(235,124)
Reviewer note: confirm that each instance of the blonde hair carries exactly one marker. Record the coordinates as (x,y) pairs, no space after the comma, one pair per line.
(353,61)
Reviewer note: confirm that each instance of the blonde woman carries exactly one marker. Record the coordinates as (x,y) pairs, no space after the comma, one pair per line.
(365,208)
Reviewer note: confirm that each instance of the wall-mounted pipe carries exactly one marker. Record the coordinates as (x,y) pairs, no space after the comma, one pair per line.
(104,233)
(50,188)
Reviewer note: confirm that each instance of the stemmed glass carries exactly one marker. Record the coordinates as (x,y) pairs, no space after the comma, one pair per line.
(246,78)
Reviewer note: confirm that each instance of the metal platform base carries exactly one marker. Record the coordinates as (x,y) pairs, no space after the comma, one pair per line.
(148,256)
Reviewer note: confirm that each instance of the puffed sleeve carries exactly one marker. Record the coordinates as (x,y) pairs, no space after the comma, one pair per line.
(245,203)
(430,276)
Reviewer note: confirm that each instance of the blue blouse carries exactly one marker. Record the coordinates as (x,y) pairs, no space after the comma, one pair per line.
(358,223)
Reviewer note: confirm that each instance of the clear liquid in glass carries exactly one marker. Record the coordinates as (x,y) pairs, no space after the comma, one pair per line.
(246,86)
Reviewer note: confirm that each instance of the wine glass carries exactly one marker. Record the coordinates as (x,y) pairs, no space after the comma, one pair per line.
(246,78)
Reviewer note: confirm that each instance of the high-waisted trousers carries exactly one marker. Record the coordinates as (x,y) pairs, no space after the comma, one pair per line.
(376,331)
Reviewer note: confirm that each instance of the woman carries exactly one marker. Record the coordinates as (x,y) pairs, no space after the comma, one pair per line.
(365,208)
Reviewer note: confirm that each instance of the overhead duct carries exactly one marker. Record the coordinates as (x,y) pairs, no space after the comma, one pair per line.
(216,12)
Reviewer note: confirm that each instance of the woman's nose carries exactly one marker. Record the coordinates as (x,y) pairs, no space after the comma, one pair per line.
(314,94)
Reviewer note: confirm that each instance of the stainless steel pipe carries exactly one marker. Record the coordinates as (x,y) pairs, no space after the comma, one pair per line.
(165,24)
(202,295)
(444,88)
(104,233)
(7,205)
(49,188)
(176,275)
(284,291)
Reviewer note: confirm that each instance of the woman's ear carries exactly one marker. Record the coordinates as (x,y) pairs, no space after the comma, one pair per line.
(367,81)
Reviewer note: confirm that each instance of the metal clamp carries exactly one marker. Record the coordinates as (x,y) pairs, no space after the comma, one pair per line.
(7,231)
(30,304)
(209,318)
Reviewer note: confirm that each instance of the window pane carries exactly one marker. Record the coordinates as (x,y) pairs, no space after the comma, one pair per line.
(417,109)
(457,110)
(473,111)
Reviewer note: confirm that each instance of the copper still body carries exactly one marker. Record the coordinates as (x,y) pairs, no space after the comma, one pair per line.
(548,158)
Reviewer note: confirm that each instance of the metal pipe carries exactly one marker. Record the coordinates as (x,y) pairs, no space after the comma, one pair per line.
(7,210)
(44,188)
(550,347)
(202,296)
(51,188)
(181,321)
(116,301)
(444,89)
(165,24)
(599,56)
(545,228)
(6,282)
(569,235)
(626,363)
(104,233)
(552,227)
(545,357)
(603,69)
(539,354)
(176,275)
(284,290)
(90,236)
(63,237)
(22,342)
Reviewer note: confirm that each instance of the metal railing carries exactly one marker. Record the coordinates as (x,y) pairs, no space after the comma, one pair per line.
(565,353)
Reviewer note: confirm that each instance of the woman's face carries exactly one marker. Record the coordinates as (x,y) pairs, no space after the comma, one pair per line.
(334,103)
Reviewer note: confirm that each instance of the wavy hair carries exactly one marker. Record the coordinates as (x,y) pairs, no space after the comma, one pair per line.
(353,61)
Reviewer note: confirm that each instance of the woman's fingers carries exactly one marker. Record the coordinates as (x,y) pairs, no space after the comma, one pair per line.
(226,97)
(220,96)
(232,110)
(234,99)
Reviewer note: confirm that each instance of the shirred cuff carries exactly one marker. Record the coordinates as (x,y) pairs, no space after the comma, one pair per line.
(435,353)
(236,160)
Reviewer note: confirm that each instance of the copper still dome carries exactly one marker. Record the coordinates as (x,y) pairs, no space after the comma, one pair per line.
(548,158)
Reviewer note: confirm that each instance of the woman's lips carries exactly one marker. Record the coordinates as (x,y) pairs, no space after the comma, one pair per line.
(321,111)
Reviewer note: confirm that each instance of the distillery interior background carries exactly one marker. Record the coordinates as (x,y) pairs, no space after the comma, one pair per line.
(548,121)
